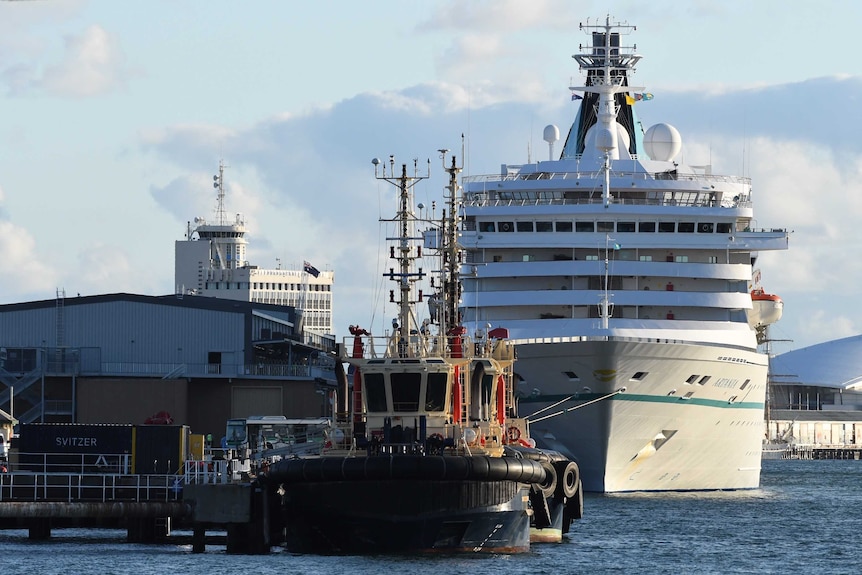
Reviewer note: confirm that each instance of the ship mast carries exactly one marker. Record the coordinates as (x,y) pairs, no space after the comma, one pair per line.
(607,64)
(404,252)
(451,250)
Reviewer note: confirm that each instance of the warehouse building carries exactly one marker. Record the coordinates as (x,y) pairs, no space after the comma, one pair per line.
(122,358)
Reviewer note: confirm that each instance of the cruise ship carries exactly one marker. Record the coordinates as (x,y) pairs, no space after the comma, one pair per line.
(211,261)
(625,278)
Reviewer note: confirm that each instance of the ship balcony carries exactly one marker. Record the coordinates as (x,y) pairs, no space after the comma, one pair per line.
(540,300)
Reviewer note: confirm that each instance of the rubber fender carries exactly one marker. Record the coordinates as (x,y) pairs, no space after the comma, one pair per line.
(498,470)
(531,471)
(568,478)
(457,467)
(312,469)
(549,485)
(574,508)
(541,511)
(406,467)
(353,468)
(433,467)
(479,467)
(332,468)
(378,467)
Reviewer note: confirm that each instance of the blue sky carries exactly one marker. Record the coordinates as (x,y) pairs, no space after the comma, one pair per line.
(114,116)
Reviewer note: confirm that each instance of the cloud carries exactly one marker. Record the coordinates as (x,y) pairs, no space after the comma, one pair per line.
(93,64)
(319,199)
(22,272)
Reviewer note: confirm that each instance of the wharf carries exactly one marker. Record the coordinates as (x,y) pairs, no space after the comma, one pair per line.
(146,504)
(852,452)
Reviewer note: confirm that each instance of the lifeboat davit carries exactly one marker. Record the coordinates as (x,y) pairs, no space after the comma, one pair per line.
(766,308)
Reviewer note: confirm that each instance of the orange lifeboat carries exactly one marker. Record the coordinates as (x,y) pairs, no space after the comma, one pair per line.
(766,308)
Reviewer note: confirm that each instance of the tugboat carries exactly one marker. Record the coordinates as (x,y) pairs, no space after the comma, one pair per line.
(432,456)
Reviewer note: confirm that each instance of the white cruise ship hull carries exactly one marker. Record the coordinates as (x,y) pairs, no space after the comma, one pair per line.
(690,416)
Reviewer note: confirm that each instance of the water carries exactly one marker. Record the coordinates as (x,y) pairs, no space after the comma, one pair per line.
(804,519)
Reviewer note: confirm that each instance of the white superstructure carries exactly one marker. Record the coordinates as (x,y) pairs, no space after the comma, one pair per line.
(624,277)
(211,261)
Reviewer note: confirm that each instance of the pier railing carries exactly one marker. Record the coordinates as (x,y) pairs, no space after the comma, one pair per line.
(89,487)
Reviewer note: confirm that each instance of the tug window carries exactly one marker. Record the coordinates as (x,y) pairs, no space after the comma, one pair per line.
(435,391)
(405,391)
(375,392)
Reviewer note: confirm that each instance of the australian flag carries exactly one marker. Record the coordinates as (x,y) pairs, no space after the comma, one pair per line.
(310,269)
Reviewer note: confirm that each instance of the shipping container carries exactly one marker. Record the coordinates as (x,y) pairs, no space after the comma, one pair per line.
(160,449)
(75,447)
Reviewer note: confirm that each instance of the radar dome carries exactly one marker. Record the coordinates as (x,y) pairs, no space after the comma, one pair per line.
(662,142)
(552,133)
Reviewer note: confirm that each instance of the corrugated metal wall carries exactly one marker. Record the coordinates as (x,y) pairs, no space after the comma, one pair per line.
(131,331)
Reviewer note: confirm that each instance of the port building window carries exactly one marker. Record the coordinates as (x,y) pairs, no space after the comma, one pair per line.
(486,226)
(646,227)
(506,226)
(712,259)
(524,226)
(685,227)
(640,375)
(703,380)
(544,226)
(625,227)
(666,227)
(705,228)
(681,259)
(723,228)
(585,226)
(564,226)
(645,258)
(604,226)
(692,379)
(592,258)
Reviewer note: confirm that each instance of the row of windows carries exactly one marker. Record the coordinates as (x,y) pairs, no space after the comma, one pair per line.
(608,227)
(273,286)
(624,255)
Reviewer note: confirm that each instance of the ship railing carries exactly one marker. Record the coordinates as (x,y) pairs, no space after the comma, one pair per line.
(515,173)
(503,199)
(413,346)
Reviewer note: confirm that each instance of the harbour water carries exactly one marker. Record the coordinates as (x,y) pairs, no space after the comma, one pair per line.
(805,518)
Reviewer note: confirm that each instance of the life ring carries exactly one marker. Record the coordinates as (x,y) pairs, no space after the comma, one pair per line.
(513,434)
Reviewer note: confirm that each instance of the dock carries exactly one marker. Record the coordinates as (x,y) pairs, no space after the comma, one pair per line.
(148,505)
(852,452)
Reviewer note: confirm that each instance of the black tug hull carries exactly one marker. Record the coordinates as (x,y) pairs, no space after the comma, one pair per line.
(407,516)
(407,503)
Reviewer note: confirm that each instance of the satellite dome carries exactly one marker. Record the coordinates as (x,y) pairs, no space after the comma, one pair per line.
(602,138)
(552,133)
(662,142)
